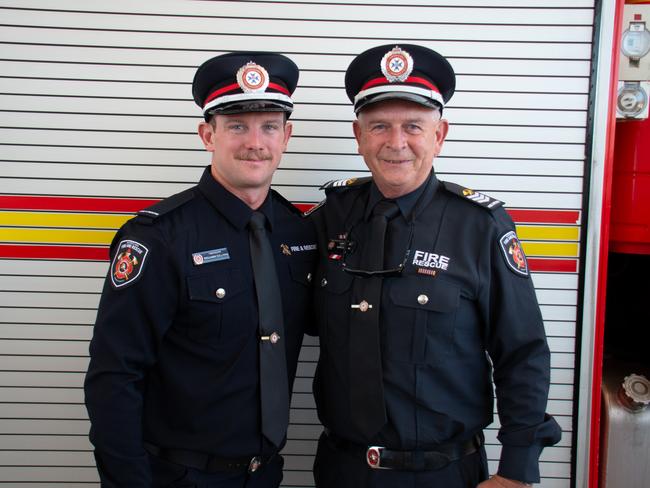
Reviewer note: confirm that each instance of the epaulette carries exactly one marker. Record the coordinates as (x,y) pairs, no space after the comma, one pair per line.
(150,214)
(473,196)
(287,203)
(307,213)
(345,184)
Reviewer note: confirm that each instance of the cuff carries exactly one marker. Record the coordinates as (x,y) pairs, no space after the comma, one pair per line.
(521,450)
(520,463)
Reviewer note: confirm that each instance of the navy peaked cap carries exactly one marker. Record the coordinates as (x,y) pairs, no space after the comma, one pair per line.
(245,82)
(404,71)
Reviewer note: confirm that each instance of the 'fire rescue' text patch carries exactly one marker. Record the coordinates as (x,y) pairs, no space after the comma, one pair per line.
(127,263)
(513,253)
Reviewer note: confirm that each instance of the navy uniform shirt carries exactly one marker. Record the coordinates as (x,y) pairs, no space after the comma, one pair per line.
(463,312)
(174,355)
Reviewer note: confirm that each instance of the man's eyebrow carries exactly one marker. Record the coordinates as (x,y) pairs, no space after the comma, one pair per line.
(374,120)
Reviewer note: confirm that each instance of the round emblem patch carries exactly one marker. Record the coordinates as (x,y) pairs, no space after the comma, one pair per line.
(513,253)
(128,262)
(396,65)
(252,78)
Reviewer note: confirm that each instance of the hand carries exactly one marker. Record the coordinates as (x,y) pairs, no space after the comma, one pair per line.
(497,481)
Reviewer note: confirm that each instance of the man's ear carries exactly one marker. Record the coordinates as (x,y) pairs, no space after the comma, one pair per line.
(356,128)
(441,134)
(206,132)
(288,130)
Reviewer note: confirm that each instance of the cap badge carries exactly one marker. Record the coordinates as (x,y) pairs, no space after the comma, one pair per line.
(252,78)
(396,65)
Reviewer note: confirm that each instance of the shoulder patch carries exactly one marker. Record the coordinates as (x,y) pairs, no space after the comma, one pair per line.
(513,253)
(128,262)
(307,213)
(345,184)
(473,196)
(151,213)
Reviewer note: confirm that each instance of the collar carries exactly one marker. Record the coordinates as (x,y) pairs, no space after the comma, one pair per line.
(410,204)
(229,206)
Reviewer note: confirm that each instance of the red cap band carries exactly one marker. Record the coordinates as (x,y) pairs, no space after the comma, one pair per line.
(235,86)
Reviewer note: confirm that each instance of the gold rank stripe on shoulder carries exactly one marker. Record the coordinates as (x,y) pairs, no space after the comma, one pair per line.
(474,196)
(345,183)
(481,198)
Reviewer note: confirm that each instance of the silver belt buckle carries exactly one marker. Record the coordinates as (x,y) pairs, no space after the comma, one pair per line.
(255,464)
(373,457)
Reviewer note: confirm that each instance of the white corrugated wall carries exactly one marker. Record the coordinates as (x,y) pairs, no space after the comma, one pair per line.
(95,104)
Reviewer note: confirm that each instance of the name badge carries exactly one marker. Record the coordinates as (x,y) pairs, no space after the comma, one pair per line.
(205,257)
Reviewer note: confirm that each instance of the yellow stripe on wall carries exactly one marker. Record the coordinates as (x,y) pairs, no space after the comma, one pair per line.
(57,236)
(548,232)
(69,220)
(551,249)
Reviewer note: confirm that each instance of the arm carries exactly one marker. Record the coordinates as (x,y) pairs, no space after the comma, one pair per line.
(134,311)
(517,346)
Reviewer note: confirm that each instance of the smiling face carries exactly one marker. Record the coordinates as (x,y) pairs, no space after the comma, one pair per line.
(246,149)
(398,141)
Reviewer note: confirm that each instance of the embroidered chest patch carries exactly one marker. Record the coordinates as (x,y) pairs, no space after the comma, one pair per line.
(128,262)
(428,261)
(514,254)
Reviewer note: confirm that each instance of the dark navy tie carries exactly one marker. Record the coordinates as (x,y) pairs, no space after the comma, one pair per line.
(368,411)
(274,384)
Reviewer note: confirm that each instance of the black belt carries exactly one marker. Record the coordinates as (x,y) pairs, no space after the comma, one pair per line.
(208,462)
(379,457)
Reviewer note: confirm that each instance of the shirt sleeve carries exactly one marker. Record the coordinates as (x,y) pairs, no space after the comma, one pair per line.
(521,359)
(137,306)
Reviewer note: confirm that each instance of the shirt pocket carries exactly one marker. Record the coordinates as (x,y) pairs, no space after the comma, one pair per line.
(219,307)
(332,291)
(420,329)
(301,271)
(298,298)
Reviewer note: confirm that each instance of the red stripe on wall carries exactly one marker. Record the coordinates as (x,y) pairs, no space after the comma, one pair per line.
(98,253)
(132,205)
(303,207)
(75,253)
(78,204)
(542,265)
(524,216)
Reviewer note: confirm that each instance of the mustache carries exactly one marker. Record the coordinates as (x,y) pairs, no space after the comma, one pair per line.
(253,156)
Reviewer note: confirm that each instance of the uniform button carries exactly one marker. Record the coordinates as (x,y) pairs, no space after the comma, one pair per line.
(220,293)
(423,299)
(309,277)
(323,282)
(363,306)
(273,338)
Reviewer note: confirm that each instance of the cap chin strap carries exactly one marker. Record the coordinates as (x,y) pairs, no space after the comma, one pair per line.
(434,95)
(248,97)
